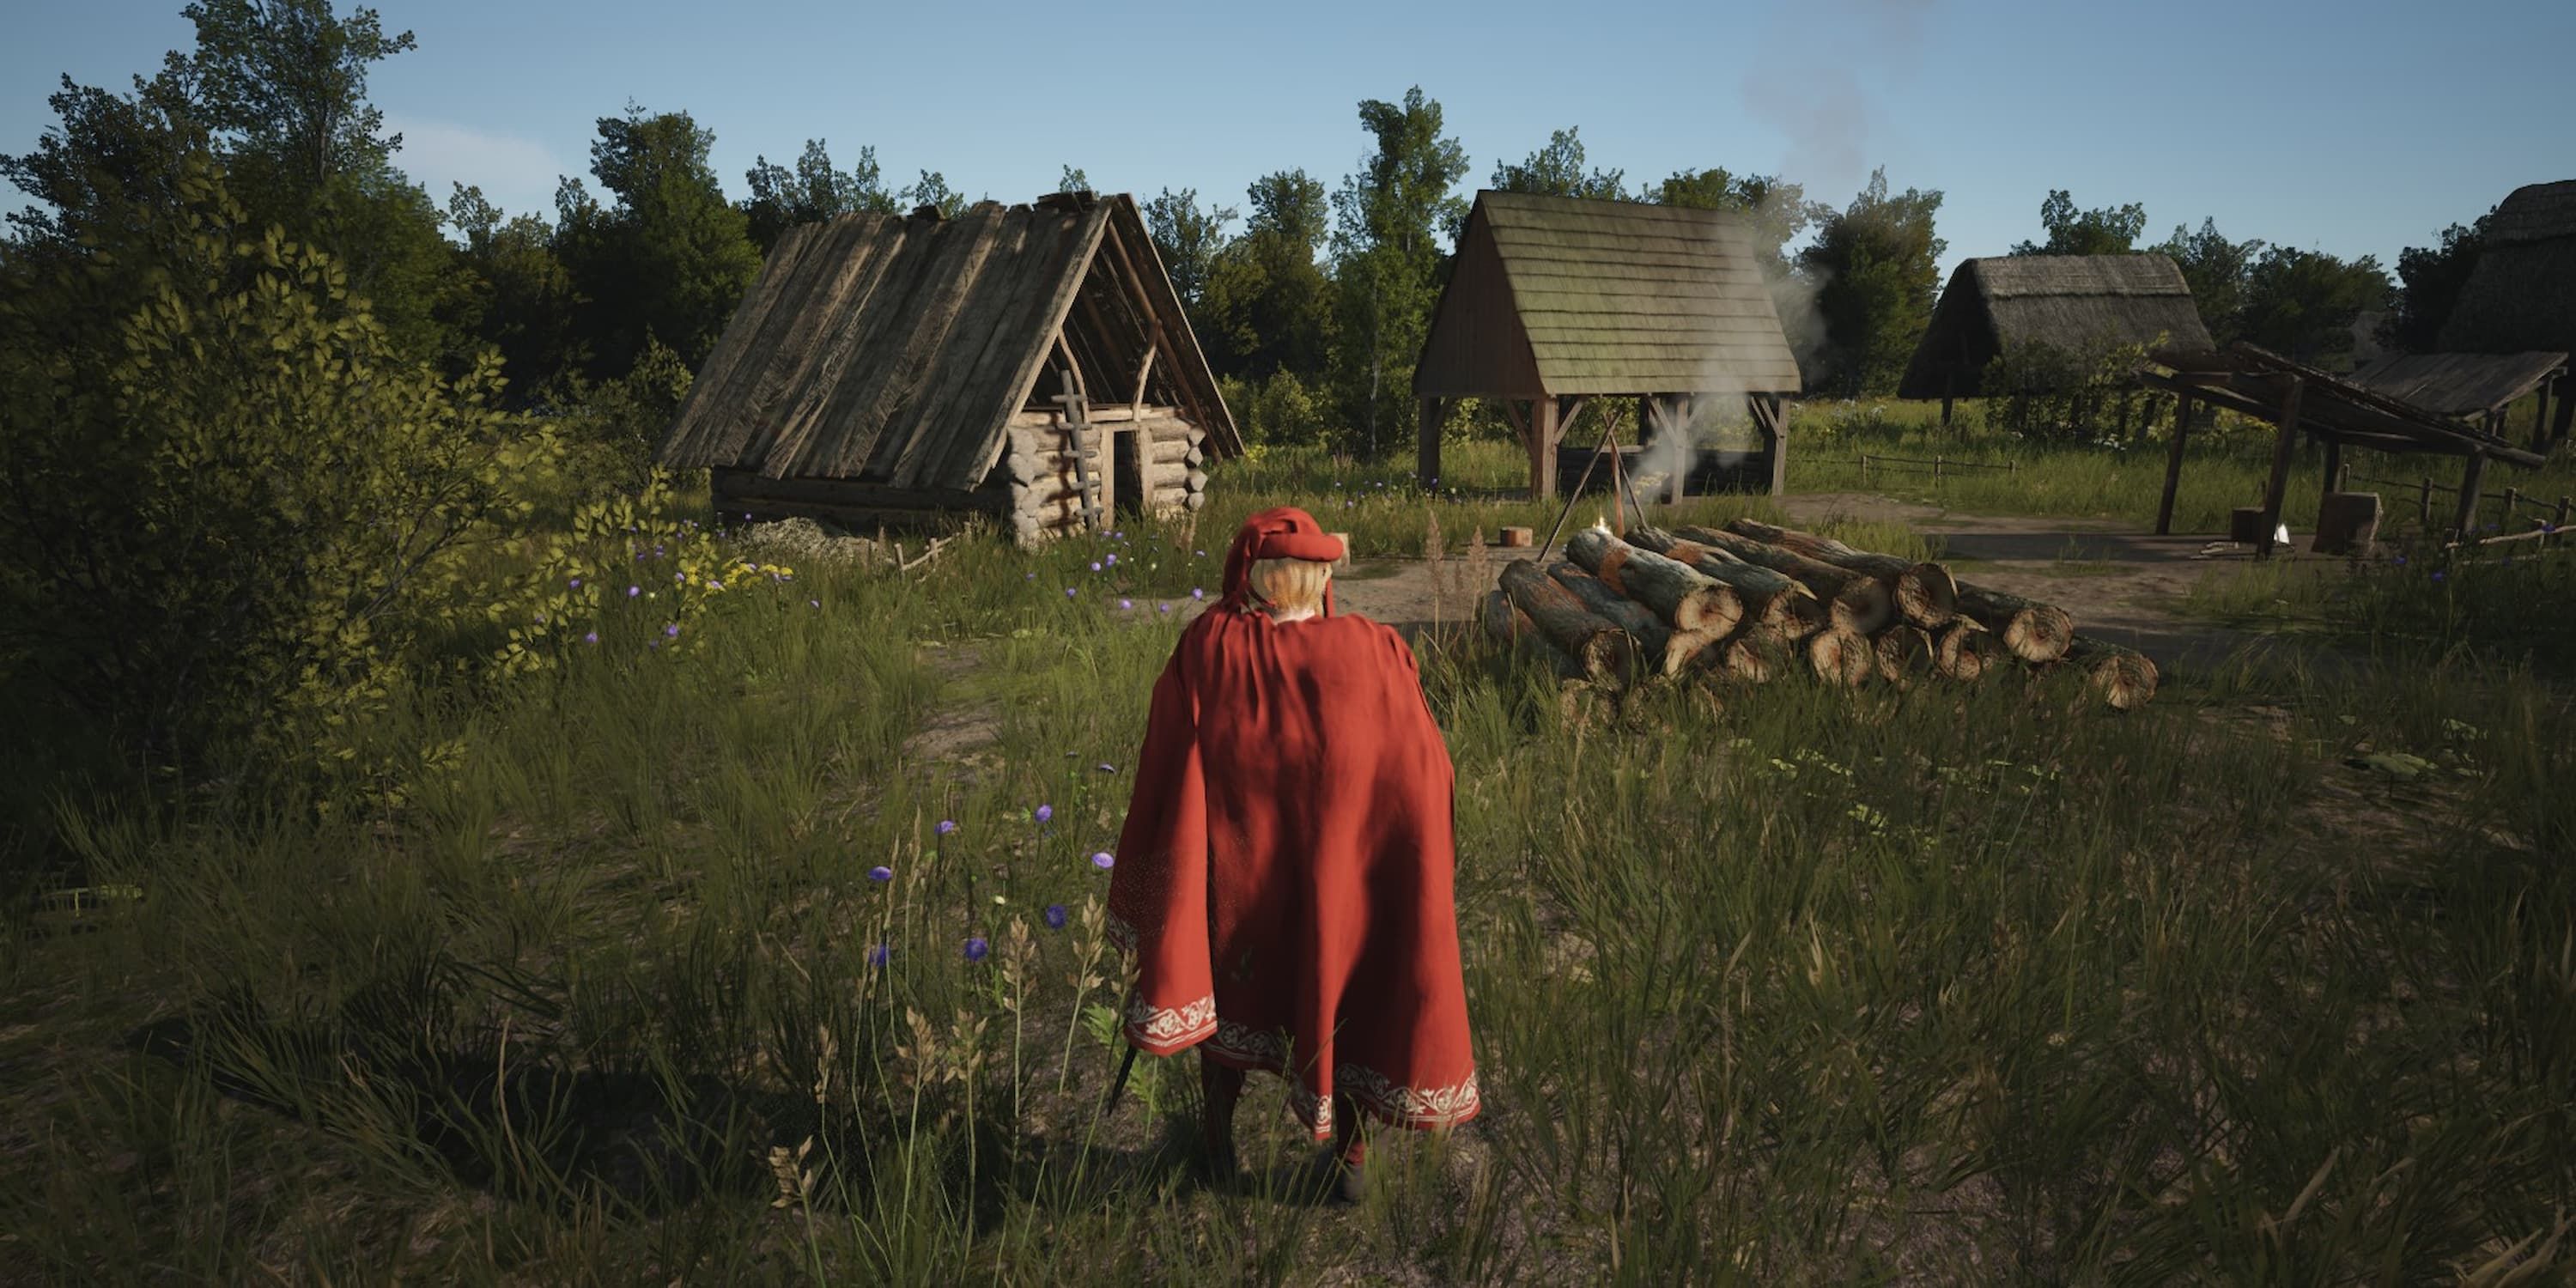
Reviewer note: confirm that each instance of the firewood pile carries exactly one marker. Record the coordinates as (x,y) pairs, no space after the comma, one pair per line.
(1759,603)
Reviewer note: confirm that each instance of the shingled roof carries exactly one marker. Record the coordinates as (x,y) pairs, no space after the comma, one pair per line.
(2521,296)
(1553,296)
(895,349)
(2072,301)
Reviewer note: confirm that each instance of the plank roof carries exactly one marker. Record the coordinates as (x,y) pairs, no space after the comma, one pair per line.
(895,349)
(2072,301)
(1563,295)
(2459,384)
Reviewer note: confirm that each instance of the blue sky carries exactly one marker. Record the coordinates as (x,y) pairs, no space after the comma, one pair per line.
(2356,128)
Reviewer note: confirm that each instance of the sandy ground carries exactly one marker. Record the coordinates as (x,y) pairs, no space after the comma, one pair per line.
(2121,585)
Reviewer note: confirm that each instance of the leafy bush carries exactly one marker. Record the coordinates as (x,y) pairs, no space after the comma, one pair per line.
(233,512)
(2082,393)
(621,421)
(1278,410)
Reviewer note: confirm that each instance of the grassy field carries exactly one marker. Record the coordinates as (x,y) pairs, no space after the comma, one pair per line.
(668,965)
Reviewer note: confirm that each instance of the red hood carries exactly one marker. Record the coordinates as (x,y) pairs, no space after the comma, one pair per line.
(1284,533)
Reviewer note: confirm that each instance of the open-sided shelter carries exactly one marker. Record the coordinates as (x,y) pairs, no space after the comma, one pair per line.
(1554,302)
(1030,363)
(2073,302)
(2300,399)
(2521,294)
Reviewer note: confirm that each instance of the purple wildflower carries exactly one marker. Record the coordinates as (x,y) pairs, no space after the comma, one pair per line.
(1196,593)
(591,638)
(713,584)
(2401,561)
(1055,916)
(1163,608)
(2437,574)
(946,826)
(1107,768)
(1104,860)
(816,603)
(633,591)
(1068,592)
(672,630)
(976,948)
(1030,577)
(1126,604)
(881,873)
(1113,559)
(1044,813)
(1095,565)
(576,583)
(877,956)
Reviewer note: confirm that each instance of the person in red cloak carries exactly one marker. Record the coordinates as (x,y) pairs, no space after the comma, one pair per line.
(1283,881)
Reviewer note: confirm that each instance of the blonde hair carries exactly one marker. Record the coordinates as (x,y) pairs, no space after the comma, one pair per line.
(1291,585)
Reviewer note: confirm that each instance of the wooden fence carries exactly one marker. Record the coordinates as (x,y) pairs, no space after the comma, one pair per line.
(2551,520)
(1917,465)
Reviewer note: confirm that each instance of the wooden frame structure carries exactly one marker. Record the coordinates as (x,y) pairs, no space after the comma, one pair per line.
(2332,409)
(1032,364)
(2521,293)
(1556,304)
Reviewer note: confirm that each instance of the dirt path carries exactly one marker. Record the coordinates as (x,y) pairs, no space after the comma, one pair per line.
(2119,584)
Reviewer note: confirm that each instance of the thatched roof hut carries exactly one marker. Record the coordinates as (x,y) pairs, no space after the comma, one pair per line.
(895,371)
(2521,296)
(2071,301)
(1556,301)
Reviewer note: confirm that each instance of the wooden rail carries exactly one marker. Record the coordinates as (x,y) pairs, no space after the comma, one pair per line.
(2507,501)
(1935,465)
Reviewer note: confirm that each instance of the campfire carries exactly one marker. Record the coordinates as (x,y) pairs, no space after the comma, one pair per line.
(1754,602)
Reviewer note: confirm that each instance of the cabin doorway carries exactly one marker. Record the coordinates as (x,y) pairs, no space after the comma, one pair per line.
(1127,466)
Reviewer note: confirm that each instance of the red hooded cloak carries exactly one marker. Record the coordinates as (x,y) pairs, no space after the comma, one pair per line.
(1284,877)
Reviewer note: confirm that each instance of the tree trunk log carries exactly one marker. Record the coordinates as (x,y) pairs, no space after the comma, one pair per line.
(1511,628)
(1925,592)
(2124,677)
(1770,598)
(1840,657)
(2033,631)
(1652,635)
(1601,649)
(1905,655)
(1677,593)
(1756,656)
(1855,601)
(1962,649)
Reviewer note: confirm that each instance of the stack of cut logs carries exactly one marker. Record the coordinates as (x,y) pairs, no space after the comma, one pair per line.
(1756,602)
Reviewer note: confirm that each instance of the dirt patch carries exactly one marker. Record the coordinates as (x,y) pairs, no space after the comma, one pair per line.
(953,735)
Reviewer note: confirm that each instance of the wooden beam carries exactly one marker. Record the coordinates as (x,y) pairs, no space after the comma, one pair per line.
(2334,468)
(2173,464)
(1144,371)
(2566,418)
(2471,475)
(1512,413)
(1775,437)
(1541,438)
(1064,349)
(1434,412)
(2284,450)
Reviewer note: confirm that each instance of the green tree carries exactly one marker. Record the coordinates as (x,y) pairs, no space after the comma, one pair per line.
(1267,305)
(1388,262)
(2430,279)
(1072,179)
(518,298)
(1780,210)
(670,259)
(283,84)
(1874,267)
(1557,171)
(2110,230)
(932,190)
(814,191)
(2302,303)
(1186,237)
(109,172)
(2216,270)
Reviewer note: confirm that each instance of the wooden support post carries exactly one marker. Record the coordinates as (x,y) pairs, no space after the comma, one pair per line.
(2173,465)
(1426,458)
(1775,437)
(2334,467)
(2424,504)
(2472,474)
(2557,523)
(2540,418)
(1685,412)
(2566,417)
(2284,450)
(1542,447)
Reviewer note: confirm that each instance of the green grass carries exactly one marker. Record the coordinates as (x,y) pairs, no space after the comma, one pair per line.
(1791,986)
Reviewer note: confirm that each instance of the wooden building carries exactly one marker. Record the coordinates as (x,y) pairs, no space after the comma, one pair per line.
(2521,294)
(1555,303)
(1029,363)
(2070,301)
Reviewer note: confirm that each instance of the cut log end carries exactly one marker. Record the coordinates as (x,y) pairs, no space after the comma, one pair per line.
(2124,677)
(1840,657)
(1756,656)
(1961,650)
(1796,616)
(2039,634)
(1928,595)
(1905,655)
(1863,607)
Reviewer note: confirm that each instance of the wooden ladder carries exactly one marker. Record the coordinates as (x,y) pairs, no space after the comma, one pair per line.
(1077,420)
